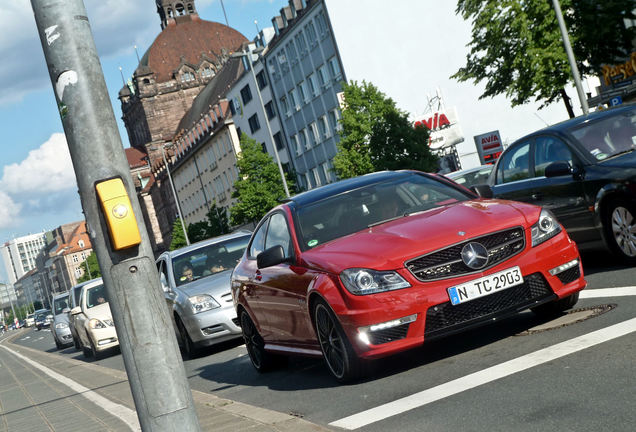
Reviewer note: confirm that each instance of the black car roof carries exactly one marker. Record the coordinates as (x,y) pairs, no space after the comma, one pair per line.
(342,186)
(572,123)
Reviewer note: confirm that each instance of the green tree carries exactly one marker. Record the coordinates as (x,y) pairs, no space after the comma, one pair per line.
(218,221)
(178,237)
(259,186)
(198,231)
(376,135)
(516,45)
(90,266)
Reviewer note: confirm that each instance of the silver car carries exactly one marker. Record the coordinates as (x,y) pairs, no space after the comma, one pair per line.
(59,326)
(196,284)
(73,302)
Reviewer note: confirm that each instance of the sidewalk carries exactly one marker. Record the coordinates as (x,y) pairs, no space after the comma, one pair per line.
(40,396)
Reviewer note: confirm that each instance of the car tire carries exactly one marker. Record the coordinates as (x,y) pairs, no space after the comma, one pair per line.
(619,223)
(76,343)
(96,354)
(58,345)
(556,307)
(342,361)
(189,348)
(87,352)
(262,360)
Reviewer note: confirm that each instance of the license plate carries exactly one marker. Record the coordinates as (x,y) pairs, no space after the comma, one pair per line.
(485,286)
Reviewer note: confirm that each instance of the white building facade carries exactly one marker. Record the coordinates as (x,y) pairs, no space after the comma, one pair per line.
(18,255)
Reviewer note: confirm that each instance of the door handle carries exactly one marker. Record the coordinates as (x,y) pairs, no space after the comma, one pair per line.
(258,276)
(537,196)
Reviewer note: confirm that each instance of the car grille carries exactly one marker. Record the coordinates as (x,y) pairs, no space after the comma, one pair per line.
(446,263)
(236,322)
(388,335)
(446,318)
(570,275)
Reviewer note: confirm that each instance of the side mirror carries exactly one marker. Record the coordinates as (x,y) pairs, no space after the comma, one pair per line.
(76,310)
(270,257)
(482,190)
(558,168)
(164,282)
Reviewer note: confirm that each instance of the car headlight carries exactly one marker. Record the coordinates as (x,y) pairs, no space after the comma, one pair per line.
(202,302)
(94,323)
(61,325)
(546,227)
(365,281)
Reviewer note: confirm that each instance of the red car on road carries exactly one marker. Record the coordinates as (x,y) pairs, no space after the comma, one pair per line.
(371,266)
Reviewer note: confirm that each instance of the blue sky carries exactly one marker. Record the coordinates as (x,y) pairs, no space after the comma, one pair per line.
(408,48)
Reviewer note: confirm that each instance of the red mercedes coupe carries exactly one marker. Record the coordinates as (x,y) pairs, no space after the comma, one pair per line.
(374,265)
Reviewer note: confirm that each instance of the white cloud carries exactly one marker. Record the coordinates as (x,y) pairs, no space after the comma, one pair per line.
(9,211)
(46,169)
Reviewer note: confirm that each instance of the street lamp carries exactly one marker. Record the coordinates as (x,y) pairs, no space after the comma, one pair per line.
(248,54)
(174,194)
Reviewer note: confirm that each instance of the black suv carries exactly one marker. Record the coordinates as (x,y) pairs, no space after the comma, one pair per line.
(584,170)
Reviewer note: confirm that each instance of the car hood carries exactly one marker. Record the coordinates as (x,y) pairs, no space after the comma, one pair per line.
(101,312)
(61,318)
(214,285)
(388,245)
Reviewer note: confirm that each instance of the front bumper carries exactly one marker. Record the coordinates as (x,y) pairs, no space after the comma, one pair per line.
(213,326)
(64,336)
(379,324)
(104,338)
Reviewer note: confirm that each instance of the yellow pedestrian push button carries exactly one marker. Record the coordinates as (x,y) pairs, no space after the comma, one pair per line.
(122,225)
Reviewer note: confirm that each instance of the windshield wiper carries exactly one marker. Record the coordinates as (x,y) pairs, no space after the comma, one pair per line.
(388,220)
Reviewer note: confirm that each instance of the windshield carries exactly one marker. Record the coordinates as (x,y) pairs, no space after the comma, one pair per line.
(371,205)
(609,136)
(96,295)
(59,304)
(208,260)
(41,315)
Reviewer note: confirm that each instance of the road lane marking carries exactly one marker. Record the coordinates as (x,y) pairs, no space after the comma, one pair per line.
(608,292)
(123,413)
(486,376)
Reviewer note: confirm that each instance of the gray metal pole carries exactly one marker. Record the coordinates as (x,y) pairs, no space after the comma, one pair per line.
(269,129)
(148,345)
(568,50)
(176,198)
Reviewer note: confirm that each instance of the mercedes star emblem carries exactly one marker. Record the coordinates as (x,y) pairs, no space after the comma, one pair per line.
(475,255)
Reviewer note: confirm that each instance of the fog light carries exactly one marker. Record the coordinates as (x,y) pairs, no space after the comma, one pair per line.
(564,267)
(363,332)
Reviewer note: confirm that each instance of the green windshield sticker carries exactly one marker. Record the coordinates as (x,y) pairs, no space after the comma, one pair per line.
(312,243)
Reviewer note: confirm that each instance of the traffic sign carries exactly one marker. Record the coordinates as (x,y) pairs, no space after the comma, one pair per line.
(615,101)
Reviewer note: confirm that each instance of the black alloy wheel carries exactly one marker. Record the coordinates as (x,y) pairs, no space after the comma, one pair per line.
(341,359)
(261,359)
(620,230)
(76,343)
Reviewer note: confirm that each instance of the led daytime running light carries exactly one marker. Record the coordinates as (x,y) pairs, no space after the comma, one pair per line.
(564,267)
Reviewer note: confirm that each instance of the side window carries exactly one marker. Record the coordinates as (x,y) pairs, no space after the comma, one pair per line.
(278,233)
(515,164)
(163,274)
(258,242)
(549,149)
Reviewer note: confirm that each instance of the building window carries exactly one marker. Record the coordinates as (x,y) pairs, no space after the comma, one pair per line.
(323,127)
(269,109)
(334,68)
(291,52)
(80,243)
(78,272)
(285,105)
(313,133)
(313,86)
(75,258)
(327,171)
(321,23)
(296,143)
(207,72)
(302,91)
(261,80)
(278,141)
(334,116)
(311,33)
(254,123)
(316,174)
(246,94)
(304,143)
(301,46)
(293,100)
(187,77)
(323,76)
(232,108)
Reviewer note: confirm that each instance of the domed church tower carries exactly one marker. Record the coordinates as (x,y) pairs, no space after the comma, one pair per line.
(184,57)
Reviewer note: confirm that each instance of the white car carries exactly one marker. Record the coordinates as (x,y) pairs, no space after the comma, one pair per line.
(94,321)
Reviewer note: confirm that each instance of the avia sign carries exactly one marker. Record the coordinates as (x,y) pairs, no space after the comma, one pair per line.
(444,127)
(489,147)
